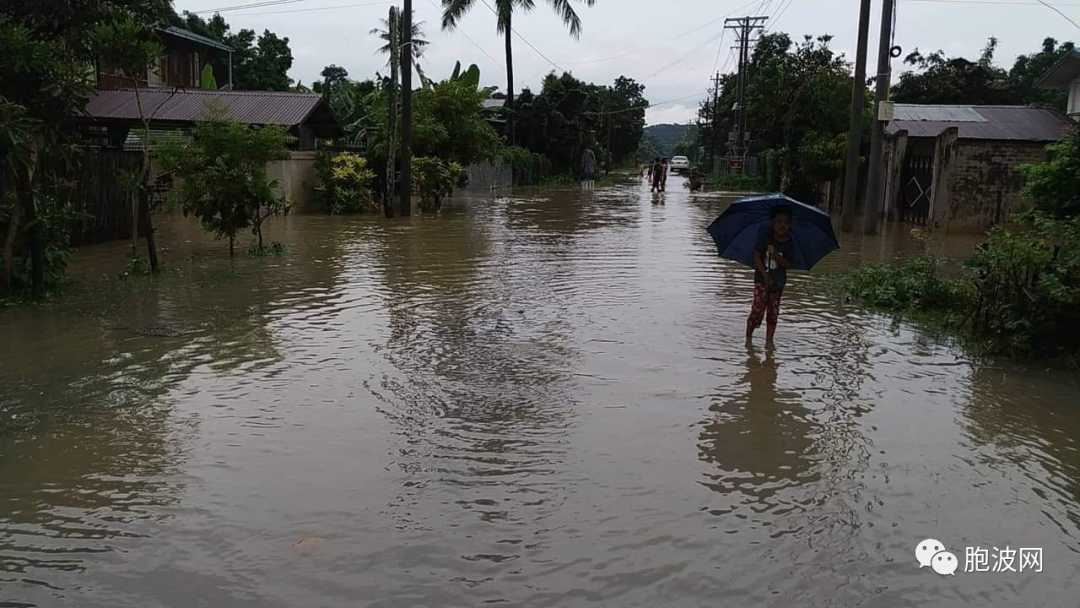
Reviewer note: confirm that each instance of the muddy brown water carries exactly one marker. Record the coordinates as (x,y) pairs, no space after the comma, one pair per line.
(537,399)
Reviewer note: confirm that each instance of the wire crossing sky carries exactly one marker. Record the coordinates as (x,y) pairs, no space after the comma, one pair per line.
(673,48)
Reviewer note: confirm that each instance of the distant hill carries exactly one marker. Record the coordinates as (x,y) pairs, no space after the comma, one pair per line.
(664,137)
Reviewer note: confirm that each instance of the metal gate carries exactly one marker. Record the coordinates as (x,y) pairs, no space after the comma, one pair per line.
(917,179)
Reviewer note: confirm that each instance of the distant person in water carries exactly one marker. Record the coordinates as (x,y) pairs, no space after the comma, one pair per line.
(656,173)
(663,175)
(588,168)
(772,257)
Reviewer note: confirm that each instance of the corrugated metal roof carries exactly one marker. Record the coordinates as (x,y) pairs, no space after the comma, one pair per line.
(192,36)
(1008,123)
(185,106)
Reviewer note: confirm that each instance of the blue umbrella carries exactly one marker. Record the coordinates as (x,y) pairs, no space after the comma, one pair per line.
(738,229)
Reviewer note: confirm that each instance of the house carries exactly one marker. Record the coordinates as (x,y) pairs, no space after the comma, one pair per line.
(186,55)
(111,120)
(958,165)
(1066,75)
(111,113)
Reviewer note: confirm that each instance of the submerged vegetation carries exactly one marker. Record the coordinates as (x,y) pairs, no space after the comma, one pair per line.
(1019,293)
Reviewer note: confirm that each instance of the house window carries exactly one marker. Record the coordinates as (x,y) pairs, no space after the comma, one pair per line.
(196,70)
(1074,97)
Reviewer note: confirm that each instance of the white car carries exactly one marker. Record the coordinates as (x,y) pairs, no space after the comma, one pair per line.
(679,164)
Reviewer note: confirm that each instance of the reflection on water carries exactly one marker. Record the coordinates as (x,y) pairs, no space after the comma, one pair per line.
(537,399)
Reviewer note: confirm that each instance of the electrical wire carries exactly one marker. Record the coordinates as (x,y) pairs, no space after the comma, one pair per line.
(644,107)
(236,7)
(462,32)
(317,8)
(1058,11)
(523,39)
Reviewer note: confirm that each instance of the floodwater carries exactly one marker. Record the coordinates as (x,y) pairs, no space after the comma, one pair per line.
(541,399)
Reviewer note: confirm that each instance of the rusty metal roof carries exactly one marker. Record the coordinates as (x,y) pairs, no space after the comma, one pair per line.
(193,105)
(1004,123)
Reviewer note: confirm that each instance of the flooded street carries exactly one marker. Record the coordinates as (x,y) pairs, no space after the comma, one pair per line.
(537,399)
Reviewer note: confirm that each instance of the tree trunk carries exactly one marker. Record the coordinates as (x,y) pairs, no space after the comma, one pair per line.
(509,83)
(232,246)
(37,236)
(151,242)
(9,251)
(258,230)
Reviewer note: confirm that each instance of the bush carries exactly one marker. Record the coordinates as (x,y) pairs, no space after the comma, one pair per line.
(739,183)
(1028,286)
(433,179)
(1054,186)
(523,164)
(917,284)
(344,182)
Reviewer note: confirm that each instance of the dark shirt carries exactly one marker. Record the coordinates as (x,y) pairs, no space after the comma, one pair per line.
(787,250)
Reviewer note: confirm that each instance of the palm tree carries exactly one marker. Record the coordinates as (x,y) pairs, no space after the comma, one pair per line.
(418,41)
(454,10)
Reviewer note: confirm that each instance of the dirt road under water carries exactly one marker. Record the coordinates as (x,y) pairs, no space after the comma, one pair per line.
(538,399)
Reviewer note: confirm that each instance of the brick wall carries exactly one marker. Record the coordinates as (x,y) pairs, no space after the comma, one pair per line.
(987,183)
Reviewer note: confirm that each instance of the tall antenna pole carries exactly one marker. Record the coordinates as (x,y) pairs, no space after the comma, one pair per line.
(858,88)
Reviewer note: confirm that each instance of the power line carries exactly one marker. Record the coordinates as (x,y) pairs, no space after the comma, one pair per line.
(523,39)
(644,107)
(462,32)
(1066,17)
(318,8)
(236,7)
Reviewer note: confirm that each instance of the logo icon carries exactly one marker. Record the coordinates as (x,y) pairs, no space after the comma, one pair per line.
(945,563)
(926,550)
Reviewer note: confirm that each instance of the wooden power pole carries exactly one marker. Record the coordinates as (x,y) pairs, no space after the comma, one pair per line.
(715,125)
(406,109)
(875,180)
(858,87)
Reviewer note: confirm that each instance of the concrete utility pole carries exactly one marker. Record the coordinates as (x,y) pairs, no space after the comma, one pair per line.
(715,125)
(744,28)
(875,181)
(391,130)
(406,109)
(858,87)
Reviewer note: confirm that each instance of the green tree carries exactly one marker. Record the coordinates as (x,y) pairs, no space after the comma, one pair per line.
(797,97)
(259,63)
(937,79)
(126,46)
(1054,186)
(454,11)
(419,43)
(333,77)
(44,86)
(222,176)
(448,123)
(1027,70)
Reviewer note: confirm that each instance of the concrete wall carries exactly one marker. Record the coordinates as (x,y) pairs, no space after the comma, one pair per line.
(987,183)
(484,177)
(296,180)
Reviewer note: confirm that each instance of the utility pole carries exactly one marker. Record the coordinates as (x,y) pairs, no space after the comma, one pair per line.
(715,125)
(875,181)
(391,130)
(858,86)
(744,28)
(406,109)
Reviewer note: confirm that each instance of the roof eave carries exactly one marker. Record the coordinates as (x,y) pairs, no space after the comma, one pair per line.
(1057,77)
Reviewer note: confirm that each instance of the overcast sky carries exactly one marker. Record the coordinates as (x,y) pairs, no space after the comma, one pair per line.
(672,63)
